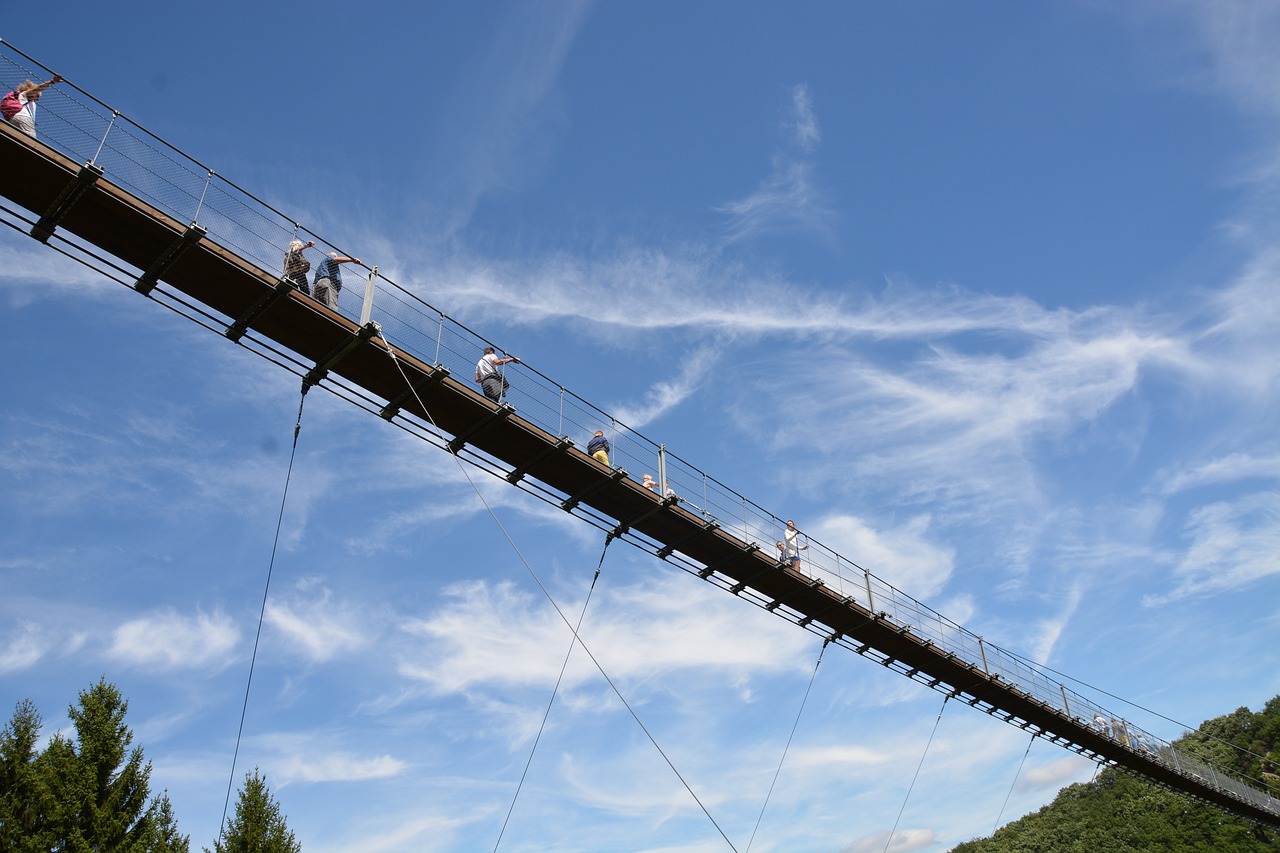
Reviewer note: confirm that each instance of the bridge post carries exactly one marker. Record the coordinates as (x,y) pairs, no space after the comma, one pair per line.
(439,337)
(1066,706)
(982,647)
(367,310)
(866,578)
(662,471)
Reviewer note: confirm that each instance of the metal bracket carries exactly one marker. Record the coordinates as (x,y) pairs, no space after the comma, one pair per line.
(278,291)
(572,501)
(812,583)
(147,281)
(501,413)
(67,199)
(391,409)
(844,602)
(653,510)
(321,370)
(668,550)
(747,550)
(517,473)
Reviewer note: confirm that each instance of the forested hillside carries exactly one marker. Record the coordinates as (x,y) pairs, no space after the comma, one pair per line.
(1120,812)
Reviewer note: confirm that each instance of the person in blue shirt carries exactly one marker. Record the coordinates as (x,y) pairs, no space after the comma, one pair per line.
(329,279)
(598,448)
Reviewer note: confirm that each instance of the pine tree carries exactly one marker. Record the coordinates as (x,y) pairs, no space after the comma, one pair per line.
(258,826)
(87,795)
(23,796)
(100,786)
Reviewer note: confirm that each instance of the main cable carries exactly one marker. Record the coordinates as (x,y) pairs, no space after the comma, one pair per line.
(785,749)
(297,428)
(554,691)
(1016,774)
(551,599)
(910,787)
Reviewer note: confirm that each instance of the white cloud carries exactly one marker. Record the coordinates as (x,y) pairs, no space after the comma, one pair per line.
(902,556)
(1221,470)
(24,648)
(665,395)
(504,115)
(169,640)
(1050,629)
(317,626)
(1055,774)
(337,767)
(904,841)
(787,201)
(1233,544)
(492,635)
(803,123)
(29,272)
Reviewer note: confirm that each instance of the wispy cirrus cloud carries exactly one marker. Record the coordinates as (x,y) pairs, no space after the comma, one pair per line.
(501,125)
(787,201)
(1231,468)
(665,395)
(316,625)
(1232,544)
(904,555)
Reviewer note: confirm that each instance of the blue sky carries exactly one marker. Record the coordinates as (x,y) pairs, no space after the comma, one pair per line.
(984,295)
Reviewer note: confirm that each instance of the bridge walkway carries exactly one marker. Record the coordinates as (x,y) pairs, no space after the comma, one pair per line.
(183,265)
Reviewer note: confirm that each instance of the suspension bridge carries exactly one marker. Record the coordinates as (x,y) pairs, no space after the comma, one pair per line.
(106,192)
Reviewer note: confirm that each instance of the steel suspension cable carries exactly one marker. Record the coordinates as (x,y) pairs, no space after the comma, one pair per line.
(889,840)
(1016,774)
(785,749)
(297,428)
(555,606)
(554,691)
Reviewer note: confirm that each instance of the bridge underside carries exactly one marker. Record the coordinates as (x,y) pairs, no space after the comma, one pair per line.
(247,300)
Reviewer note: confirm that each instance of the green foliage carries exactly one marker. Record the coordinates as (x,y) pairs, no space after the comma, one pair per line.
(23,794)
(87,795)
(258,826)
(1121,812)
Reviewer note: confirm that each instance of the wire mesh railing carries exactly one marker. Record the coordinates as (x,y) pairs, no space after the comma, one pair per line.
(81,127)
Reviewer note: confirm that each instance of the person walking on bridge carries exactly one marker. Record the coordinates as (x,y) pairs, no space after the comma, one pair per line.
(489,377)
(598,448)
(19,106)
(329,279)
(791,546)
(296,265)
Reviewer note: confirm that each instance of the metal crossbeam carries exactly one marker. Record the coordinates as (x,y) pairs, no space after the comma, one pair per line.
(499,414)
(517,474)
(814,583)
(391,409)
(653,510)
(71,193)
(707,527)
(710,569)
(237,329)
(573,500)
(147,281)
(341,351)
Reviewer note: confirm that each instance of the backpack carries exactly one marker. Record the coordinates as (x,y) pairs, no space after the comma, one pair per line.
(10,106)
